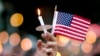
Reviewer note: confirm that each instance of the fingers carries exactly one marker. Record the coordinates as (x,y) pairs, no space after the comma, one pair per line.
(47,50)
(43,49)
(49,37)
(52,45)
(39,45)
(51,41)
(49,44)
(50,52)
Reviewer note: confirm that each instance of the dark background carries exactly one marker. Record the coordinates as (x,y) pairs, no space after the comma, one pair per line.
(86,8)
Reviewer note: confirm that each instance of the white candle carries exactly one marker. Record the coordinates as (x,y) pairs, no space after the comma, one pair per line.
(41,22)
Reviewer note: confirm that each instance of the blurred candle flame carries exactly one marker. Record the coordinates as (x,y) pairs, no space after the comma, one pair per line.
(38,10)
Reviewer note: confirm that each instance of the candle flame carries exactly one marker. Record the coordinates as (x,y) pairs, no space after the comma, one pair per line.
(38,11)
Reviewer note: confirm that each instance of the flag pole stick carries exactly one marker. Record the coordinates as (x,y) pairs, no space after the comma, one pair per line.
(54,19)
(55,8)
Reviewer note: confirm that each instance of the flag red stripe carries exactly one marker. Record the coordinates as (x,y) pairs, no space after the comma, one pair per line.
(72,37)
(70,32)
(81,20)
(76,27)
(81,29)
(80,17)
(80,23)
(70,28)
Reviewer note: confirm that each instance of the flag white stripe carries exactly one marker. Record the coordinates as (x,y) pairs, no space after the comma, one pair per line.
(79,27)
(72,36)
(81,20)
(79,23)
(72,28)
(71,32)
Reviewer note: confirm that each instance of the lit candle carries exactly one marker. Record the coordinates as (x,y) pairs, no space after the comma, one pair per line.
(41,21)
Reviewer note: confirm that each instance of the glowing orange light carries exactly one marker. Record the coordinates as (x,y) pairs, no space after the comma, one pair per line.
(26,44)
(4,37)
(91,37)
(74,49)
(62,40)
(86,47)
(14,39)
(16,19)
(58,54)
(38,10)
(1,48)
(75,42)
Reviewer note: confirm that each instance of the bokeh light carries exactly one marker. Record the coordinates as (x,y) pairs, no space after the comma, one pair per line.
(1,48)
(91,37)
(62,40)
(16,19)
(95,28)
(33,39)
(86,47)
(14,39)
(26,44)
(74,49)
(75,42)
(58,54)
(4,37)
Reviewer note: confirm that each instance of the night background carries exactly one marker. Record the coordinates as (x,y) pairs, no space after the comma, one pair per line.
(88,9)
(28,8)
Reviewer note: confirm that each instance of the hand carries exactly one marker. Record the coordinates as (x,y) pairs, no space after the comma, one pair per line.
(47,49)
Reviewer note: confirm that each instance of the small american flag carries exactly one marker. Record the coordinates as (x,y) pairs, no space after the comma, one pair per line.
(72,26)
